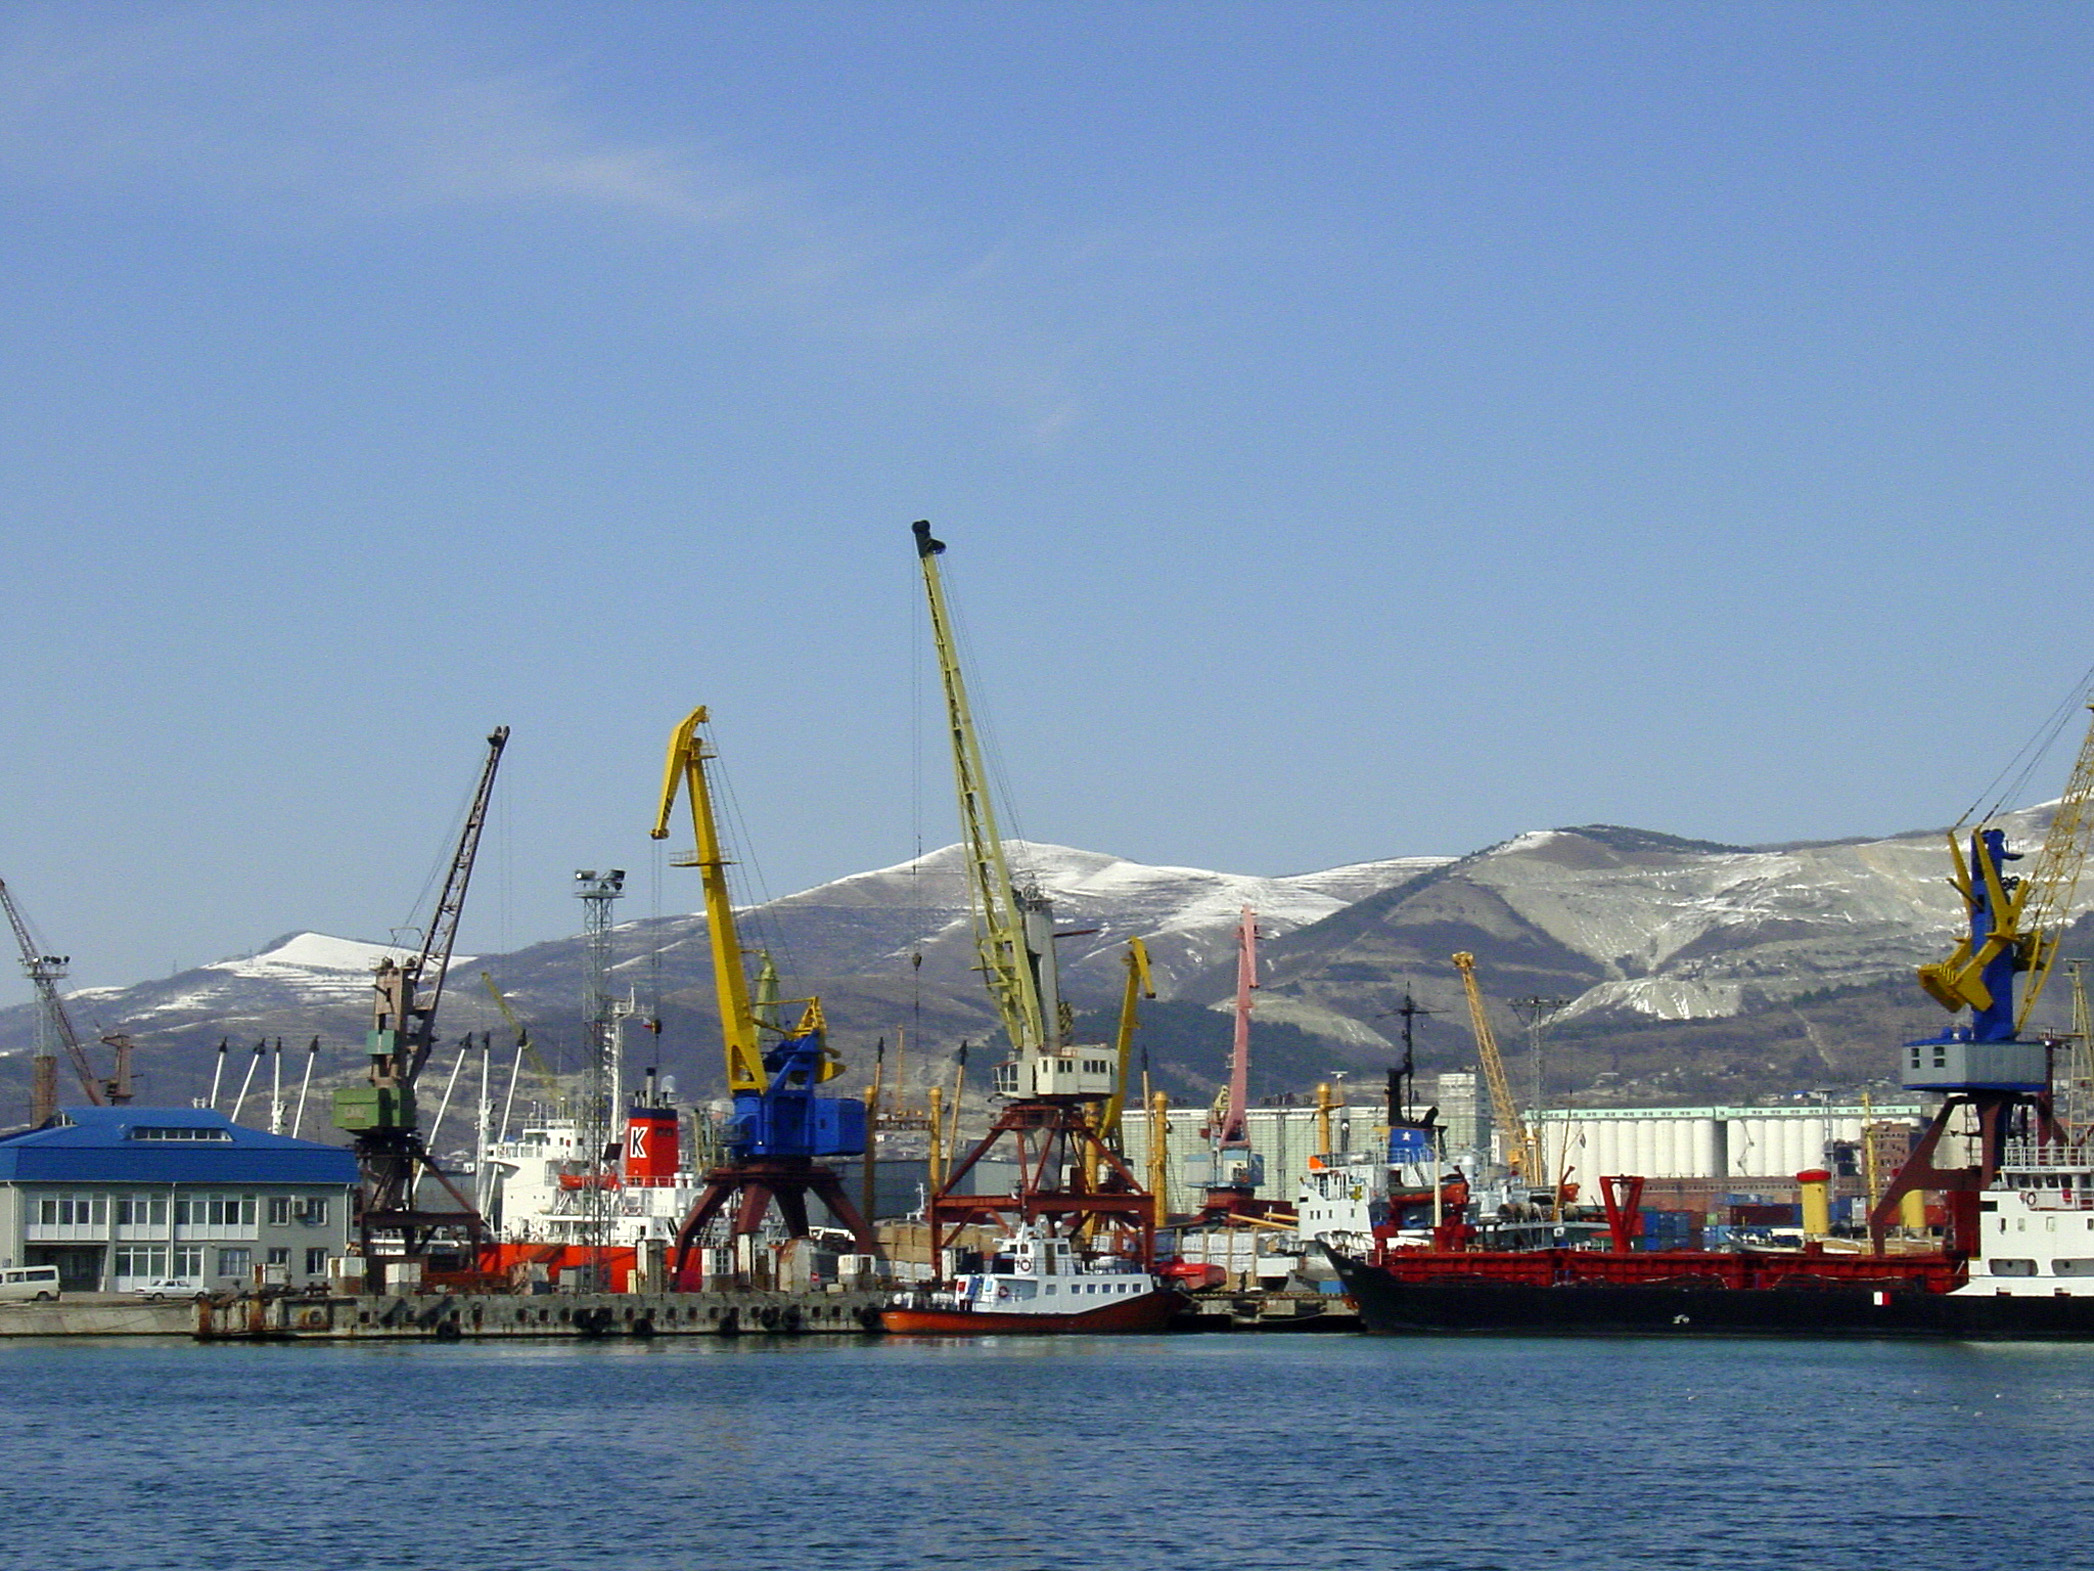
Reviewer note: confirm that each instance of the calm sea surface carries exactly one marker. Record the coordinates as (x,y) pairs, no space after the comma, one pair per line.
(1232,1452)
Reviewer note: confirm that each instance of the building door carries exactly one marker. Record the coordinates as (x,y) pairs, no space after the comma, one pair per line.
(79,1265)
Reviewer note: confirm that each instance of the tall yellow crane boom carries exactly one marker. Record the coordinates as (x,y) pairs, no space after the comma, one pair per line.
(685,769)
(999,921)
(1139,986)
(1522,1149)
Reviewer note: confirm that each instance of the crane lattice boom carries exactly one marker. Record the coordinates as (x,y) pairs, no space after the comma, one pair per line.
(2046,910)
(45,971)
(999,919)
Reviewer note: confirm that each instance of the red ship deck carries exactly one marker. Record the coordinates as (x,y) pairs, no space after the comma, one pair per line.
(1933,1273)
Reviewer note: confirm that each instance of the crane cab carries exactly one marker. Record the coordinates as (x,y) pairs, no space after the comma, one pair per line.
(1086,1070)
(1955,1063)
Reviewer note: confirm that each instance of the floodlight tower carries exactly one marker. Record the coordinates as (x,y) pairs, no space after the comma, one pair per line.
(598,891)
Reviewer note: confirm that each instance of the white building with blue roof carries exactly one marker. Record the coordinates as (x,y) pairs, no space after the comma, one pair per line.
(180,1199)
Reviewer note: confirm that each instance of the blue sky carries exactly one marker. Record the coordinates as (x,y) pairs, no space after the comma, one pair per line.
(1360,430)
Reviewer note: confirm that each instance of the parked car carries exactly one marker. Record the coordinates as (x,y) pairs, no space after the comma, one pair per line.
(169,1287)
(38,1282)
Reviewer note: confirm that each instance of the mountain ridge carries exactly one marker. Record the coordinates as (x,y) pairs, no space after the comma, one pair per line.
(1631,928)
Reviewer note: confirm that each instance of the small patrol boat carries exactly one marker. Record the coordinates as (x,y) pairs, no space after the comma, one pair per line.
(1038,1285)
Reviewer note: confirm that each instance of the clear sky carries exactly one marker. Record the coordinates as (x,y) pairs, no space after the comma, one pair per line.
(1361,430)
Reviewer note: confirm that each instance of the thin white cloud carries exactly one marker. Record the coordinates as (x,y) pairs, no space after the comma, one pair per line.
(298,117)
(335,108)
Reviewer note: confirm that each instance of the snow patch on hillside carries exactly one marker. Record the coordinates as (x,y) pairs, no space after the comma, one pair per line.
(304,953)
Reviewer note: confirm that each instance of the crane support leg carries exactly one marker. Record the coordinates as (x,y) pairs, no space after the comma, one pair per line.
(1056,1146)
(753,1188)
(1994,1114)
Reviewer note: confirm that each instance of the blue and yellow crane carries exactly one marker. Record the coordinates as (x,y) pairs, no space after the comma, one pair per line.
(779,1129)
(1984,1067)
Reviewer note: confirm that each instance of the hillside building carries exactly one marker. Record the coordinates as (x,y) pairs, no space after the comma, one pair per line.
(120,1197)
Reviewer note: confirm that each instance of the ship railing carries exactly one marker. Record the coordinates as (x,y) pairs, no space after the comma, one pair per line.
(2060,1174)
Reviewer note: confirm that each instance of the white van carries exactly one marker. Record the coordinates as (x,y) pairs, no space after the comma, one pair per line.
(28,1282)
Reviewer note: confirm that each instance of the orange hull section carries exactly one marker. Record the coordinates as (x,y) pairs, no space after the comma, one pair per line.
(1151,1312)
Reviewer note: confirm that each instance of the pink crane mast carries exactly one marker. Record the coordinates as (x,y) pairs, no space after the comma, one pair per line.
(1235,1134)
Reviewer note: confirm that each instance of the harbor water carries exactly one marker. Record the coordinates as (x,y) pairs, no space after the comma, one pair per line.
(1024,1455)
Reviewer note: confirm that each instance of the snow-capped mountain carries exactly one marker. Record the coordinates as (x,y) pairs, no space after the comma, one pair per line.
(297,971)
(1626,925)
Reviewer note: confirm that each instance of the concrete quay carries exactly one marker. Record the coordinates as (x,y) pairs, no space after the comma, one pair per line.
(384,1317)
(99,1314)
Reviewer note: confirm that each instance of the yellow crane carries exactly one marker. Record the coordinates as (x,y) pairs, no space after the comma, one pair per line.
(1522,1147)
(1013,927)
(2018,921)
(685,768)
(780,1129)
(1993,1080)
(1139,986)
(548,1082)
(1054,1087)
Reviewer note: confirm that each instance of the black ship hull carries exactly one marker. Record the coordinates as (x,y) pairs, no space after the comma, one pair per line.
(1456,1305)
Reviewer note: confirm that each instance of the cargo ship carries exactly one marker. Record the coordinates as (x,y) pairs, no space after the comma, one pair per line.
(1038,1286)
(2030,1276)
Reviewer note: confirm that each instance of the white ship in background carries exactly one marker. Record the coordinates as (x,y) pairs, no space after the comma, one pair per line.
(549,1185)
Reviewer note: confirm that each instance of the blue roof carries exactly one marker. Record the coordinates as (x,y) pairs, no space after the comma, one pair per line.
(124,1145)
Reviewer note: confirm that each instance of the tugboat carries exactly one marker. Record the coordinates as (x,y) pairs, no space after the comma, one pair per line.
(1038,1285)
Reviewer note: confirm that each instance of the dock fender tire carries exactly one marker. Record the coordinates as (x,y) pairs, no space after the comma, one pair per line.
(789,1322)
(767,1317)
(869,1318)
(448,1330)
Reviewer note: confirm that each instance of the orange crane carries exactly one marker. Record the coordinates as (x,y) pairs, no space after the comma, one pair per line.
(55,1028)
(1522,1146)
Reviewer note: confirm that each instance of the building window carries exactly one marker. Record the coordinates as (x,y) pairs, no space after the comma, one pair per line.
(141,1210)
(280,1257)
(186,1260)
(141,1260)
(279,1210)
(70,1210)
(316,1262)
(316,1210)
(216,1210)
(162,1132)
(235,1262)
